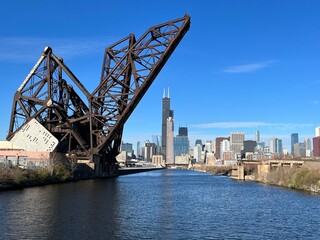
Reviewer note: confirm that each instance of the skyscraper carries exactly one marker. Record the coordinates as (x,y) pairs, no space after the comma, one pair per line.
(183,131)
(169,145)
(181,145)
(294,139)
(155,140)
(139,152)
(257,136)
(208,146)
(224,147)
(166,113)
(316,147)
(197,152)
(248,147)
(181,142)
(126,147)
(307,142)
(316,143)
(236,141)
(275,146)
(280,149)
(198,141)
(299,149)
(217,146)
(149,151)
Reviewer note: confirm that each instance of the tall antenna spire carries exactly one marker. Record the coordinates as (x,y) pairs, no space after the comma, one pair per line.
(164,93)
(168,92)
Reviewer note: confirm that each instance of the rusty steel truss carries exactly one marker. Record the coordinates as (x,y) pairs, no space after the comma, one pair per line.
(53,95)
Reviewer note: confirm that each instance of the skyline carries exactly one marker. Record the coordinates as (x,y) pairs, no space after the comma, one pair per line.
(242,66)
(239,126)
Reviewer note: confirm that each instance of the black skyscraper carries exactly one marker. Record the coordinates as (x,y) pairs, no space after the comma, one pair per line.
(183,131)
(166,113)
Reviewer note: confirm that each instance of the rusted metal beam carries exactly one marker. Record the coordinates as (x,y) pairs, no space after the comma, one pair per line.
(143,61)
(46,96)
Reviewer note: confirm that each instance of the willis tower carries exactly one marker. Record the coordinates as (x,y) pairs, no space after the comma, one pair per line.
(166,113)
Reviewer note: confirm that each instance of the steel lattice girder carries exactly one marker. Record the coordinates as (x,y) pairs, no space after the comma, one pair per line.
(124,86)
(113,55)
(46,96)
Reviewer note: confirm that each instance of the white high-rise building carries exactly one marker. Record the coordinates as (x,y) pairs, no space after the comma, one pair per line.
(170,136)
(208,146)
(273,145)
(224,147)
(257,136)
(197,152)
(139,152)
(317,131)
(308,144)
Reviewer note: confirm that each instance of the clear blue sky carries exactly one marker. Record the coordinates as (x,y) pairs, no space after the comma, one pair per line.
(243,65)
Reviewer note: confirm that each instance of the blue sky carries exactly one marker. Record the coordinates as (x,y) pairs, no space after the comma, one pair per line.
(243,65)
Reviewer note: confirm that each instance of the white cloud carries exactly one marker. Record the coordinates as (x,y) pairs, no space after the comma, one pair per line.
(26,49)
(228,125)
(245,68)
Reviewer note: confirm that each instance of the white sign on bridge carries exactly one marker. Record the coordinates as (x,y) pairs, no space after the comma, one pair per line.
(34,137)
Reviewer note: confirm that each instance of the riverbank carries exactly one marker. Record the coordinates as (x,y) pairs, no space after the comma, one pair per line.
(305,179)
(216,170)
(295,178)
(16,178)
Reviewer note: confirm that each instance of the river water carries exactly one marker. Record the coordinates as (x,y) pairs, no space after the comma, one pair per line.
(165,204)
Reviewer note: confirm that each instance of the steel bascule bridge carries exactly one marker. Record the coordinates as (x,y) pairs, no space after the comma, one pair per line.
(89,126)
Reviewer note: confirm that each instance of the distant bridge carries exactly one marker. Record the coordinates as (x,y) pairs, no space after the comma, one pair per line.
(263,167)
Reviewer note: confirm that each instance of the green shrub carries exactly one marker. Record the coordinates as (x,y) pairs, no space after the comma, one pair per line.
(60,172)
(42,175)
(304,178)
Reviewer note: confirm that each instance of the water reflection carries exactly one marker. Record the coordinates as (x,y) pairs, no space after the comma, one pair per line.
(168,204)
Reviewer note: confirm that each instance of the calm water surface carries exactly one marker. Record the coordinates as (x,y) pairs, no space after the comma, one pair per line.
(166,204)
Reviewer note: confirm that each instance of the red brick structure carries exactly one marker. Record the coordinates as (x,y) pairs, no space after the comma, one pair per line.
(217,146)
(316,146)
